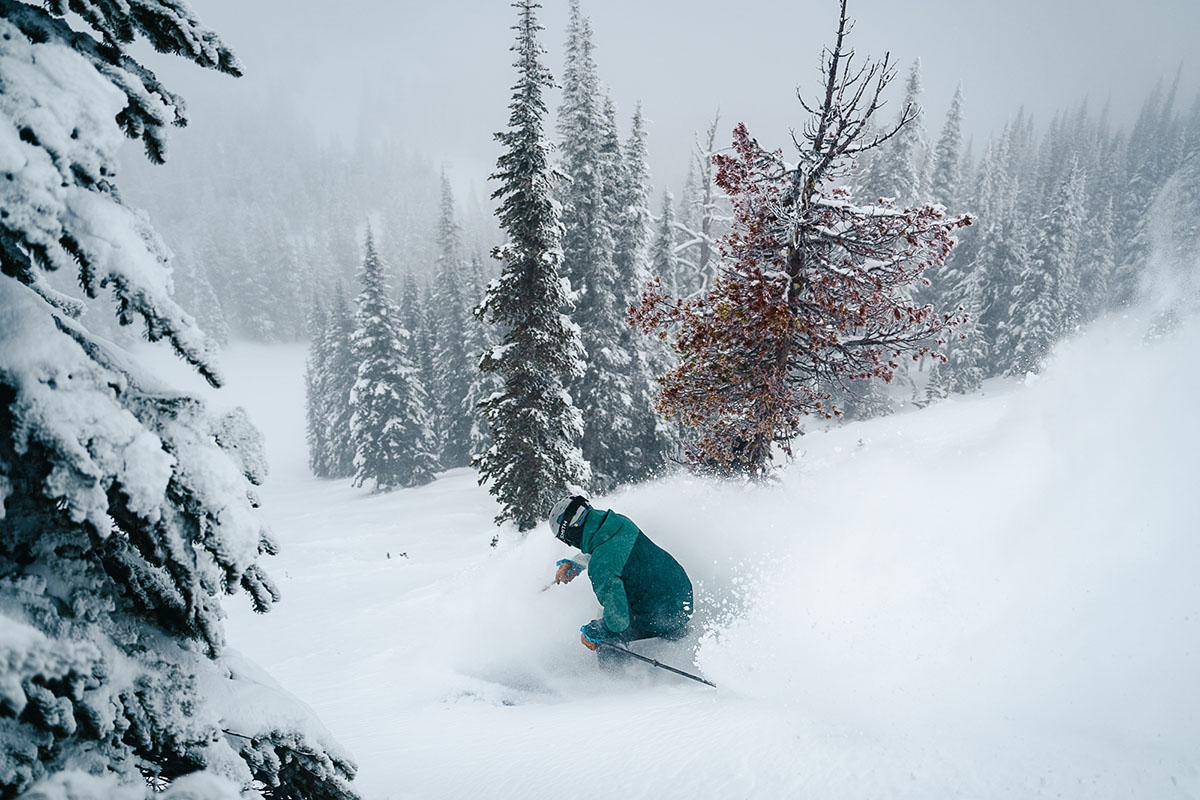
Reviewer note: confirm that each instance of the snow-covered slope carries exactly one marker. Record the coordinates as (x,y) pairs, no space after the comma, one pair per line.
(997,596)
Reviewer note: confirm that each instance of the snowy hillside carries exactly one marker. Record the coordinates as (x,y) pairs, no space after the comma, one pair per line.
(993,597)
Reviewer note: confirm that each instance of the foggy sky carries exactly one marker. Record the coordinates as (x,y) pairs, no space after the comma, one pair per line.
(437,73)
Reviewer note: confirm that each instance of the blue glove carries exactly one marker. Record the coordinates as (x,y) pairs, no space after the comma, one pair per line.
(587,640)
(567,571)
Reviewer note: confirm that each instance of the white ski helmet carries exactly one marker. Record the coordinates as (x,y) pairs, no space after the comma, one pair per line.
(567,513)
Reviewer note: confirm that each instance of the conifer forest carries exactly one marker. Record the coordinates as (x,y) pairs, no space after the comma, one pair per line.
(869,328)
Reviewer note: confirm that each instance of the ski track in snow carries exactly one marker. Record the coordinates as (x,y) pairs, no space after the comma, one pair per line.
(995,597)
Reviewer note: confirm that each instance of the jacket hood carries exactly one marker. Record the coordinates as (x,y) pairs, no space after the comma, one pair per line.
(594,532)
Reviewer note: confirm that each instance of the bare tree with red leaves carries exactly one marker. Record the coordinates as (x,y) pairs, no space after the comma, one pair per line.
(814,290)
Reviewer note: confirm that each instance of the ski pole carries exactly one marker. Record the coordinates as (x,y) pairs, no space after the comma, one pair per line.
(655,663)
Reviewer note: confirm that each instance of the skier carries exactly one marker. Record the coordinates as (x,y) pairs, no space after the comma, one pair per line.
(644,592)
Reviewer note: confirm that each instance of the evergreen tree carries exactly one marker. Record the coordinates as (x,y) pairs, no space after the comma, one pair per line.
(1097,262)
(936,387)
(1022,189)
(967,353)
(330,376)
(340,373)
(947,157)
(1042,307)
(604,243)
(416,301)
(645,452)
(127,510)
(1148,165)
(390,428)
(316,393)
(664,262)
(482,384)
(944,189)
(587,237)
(861,399)
(452,364)
(195,294)
(605,392)
(631,208)
(1003,260)
(534,424)
(423,350)
(995,252)
(896,169)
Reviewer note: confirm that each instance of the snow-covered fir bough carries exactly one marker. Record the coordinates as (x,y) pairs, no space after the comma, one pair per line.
(126,510)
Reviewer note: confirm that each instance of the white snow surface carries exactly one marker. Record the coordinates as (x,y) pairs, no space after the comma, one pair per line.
(994,597)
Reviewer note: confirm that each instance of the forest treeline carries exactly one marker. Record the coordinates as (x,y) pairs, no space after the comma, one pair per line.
(1067,220)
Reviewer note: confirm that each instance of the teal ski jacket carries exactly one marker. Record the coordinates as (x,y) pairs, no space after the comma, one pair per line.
(644,591)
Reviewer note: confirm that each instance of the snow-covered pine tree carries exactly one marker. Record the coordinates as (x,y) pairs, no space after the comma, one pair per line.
(605,391)
(330,375)
(1146,171)
(483,384)
(423,350)
(452,363)
(316,393)
(1097,262)
(390,427)
(1003,258)
(1042,304)
(1023,190)
(631,212)
(416,301)
(649,445)
(664,261)
(946,177)
(664,258)
(216,311)
(936,387)
(534,424)
(127,511)
(996,253)
(587,236)
(986,192)
(340,373)
(1049,158)
(896,168)
(945,187)
(597,206)
(862,399)
(967,352)
(812,290)
(195,294)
